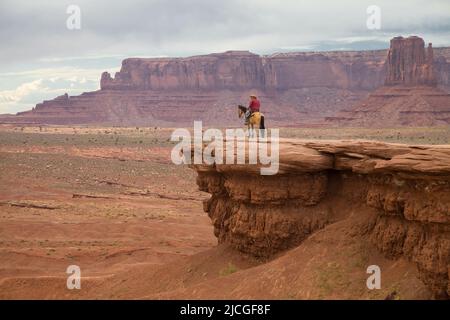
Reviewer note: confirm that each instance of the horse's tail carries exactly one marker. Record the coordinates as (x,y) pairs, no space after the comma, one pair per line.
(261,123)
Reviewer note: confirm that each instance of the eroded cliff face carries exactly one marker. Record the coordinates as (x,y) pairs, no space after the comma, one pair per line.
(241,70)
(404,190)
(229,70)
(405,62)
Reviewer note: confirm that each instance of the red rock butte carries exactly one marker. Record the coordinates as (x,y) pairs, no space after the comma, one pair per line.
(296,89)
(408,64)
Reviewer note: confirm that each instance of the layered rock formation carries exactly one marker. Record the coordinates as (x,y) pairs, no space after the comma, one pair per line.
(404,190)
(408,64)
(295,88)
(229,70)
(409,97)
(241,70)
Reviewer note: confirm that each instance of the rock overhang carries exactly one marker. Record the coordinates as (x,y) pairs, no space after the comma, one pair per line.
(403,189)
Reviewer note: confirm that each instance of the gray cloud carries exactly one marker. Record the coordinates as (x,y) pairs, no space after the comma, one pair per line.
(182,27)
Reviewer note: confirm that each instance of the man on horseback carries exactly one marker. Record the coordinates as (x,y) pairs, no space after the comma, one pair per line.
(253,106)
(254,119)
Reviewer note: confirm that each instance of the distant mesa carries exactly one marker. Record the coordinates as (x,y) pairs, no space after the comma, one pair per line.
(402,86)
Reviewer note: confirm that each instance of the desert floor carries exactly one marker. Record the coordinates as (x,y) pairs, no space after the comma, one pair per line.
(111,201)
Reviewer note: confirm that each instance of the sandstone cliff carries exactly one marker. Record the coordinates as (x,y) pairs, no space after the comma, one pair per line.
(240,70)
(229,70)
(406,62)
(400,192)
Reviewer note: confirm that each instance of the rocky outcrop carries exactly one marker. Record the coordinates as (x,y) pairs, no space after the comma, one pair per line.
(406,189)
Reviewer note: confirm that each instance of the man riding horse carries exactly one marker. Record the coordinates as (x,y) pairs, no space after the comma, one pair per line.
(253,117)
(253,106)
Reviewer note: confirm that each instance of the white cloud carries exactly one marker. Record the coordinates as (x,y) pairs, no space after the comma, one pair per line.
(21,91)
(81,58)
(34,86)
(60,73)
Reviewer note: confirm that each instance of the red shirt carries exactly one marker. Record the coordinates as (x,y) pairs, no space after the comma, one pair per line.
(254,105)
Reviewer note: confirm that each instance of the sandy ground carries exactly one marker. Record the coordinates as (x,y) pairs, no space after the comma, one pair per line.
(80,198)
(110,201)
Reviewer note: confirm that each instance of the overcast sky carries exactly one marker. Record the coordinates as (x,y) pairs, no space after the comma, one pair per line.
(41,58)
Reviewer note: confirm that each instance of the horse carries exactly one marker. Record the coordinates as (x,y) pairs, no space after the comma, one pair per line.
(256,120)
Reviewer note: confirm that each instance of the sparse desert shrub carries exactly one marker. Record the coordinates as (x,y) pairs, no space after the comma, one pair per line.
(231,268)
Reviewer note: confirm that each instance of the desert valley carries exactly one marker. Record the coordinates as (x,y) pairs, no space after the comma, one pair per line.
(364,180)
